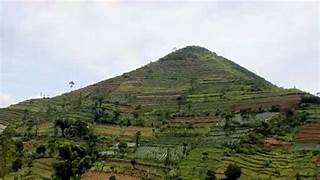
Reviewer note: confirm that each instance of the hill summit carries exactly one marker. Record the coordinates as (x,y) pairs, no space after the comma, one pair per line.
(194,75)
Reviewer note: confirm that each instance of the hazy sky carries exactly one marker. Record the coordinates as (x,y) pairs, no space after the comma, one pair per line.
(46,44)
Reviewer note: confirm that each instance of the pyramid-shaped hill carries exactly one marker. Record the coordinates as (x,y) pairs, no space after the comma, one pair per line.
(198,78)
(193,80)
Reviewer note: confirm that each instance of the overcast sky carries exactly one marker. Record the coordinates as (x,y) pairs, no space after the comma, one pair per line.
(46,44)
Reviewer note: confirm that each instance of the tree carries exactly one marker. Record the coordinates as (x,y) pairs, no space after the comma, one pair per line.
(16,165)
(29,124)
(275,108)
(138,134)
(82,165)
(65,153)
(63,170)
(41,150)
(122,148)
(167,160)
(62,124)
(36,123)
(205,156)
(184,152)
(181,100)
(112,177)
(233,172)
(211,175)
(79,101)
(228,120)
(71,84)
(77,128)
(19,148)
(133,163)
(51,147)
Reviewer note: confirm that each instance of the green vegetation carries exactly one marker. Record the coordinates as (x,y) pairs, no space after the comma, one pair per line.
(190,115)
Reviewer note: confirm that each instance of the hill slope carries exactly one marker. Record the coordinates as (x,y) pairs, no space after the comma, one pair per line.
(186,115)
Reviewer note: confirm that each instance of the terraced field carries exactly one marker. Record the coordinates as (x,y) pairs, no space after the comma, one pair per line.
(8,116)
(314,113)
(124,167)
(130,131)
(218,137)
(308,136)
(197,121)
(158,153)
(309,133)
(104,175)
(41,169)
(284,102)
(261,165)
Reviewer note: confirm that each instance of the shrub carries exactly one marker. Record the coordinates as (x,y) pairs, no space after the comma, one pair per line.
(211,175)
(275,108)
(16,165)
(232,172)
(19,147)
(63,170)
(65,153)
(122,148)
(310,99)
(41,150)
(112,177)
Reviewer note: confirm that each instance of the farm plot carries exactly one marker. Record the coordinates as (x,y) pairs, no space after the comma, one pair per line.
(122,131)
(41,169)
(96,175)
(178,140)
(184,132)
(9,116)
(309,133)
(262,165)
(253,119)
(158,153)
(313,113)
(141,169)
(284,102)
(197,121)
(218,136)
(306,147)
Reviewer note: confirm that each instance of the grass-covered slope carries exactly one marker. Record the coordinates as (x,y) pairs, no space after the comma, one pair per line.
(191,79)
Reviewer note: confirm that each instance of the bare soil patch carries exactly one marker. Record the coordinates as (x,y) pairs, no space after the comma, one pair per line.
(95,175)
(309,133)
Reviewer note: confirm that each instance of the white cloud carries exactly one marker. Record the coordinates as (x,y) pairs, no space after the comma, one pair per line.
(49,43)
(6,100)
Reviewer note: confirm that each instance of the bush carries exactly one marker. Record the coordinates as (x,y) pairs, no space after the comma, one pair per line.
(211,175)
(16,165)
(63,170)
(19,147)
(41,150)
(310,99)
(275,108)
(122,148)
(232,172)
(112,177)
(65,153)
